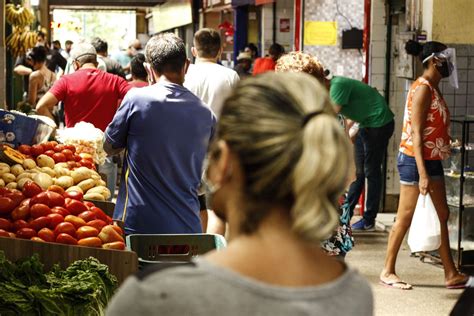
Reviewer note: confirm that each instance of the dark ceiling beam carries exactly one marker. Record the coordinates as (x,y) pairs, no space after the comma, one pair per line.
(108,3)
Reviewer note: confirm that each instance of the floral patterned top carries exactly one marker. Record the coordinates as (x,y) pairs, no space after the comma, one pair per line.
(436,138)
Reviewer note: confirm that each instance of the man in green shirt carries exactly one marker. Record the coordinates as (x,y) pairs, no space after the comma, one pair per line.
(364,105)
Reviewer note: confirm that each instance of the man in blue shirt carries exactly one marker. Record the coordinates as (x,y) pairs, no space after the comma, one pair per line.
(165,130)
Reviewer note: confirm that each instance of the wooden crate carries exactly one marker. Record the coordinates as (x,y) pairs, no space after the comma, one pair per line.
(121,263)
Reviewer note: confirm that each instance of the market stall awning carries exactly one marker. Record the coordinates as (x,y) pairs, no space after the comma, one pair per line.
(109,3)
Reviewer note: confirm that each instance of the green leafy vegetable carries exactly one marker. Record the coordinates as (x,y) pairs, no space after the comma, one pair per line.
(84,288)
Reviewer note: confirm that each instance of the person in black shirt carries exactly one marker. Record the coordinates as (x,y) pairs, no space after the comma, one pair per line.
(113,66)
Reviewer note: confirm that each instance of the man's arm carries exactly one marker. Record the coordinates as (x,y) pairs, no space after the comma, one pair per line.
(46,105)
(110,150)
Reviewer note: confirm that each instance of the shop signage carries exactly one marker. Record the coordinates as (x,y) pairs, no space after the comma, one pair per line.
(284,25)
(172,14)
(320,33)
(262,2)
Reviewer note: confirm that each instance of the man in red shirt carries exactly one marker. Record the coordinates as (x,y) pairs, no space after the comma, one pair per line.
(88,94)
(264,64)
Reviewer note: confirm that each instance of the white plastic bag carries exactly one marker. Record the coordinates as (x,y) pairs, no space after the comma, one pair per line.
(425,232)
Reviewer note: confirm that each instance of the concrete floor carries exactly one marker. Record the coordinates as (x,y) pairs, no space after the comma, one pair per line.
(429,297)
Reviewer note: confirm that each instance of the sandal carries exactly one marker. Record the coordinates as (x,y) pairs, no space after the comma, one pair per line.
(401,285)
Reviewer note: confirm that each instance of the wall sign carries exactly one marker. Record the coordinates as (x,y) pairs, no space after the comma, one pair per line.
(284,25)
(320,33)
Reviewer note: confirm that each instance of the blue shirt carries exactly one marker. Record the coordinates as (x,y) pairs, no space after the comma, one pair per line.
(165,130)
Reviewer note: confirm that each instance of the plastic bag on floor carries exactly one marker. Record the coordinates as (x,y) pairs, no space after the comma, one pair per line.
(425,233)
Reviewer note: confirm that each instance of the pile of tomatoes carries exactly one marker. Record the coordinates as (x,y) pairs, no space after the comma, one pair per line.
(56,216)
(59,153)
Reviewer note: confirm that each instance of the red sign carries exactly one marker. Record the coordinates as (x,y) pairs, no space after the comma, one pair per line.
(261,2)
(284,25)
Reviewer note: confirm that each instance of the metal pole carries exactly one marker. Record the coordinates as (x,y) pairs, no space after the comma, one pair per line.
(3,68)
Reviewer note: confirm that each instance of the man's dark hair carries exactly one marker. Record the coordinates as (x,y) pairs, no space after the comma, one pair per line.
(207,43)
(166,53)
(136,67)
(100,45)
(57,43)
(68,42)
(276,50)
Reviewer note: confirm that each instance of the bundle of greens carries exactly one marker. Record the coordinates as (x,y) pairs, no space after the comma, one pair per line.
(84,288)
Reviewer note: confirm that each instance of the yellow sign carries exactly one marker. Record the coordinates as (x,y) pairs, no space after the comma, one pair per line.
(320,33)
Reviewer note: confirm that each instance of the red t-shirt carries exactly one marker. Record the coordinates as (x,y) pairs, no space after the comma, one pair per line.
(263,64)
(90,95)
(138,84)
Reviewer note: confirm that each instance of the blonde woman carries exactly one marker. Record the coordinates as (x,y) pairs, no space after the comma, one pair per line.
(275,173)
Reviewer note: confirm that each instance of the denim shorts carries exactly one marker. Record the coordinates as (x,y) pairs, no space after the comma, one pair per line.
(409,172)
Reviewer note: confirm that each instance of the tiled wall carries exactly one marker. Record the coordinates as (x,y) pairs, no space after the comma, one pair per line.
(347,62)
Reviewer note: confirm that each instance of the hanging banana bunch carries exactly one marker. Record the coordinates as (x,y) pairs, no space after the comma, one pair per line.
(20,41)
(18,15)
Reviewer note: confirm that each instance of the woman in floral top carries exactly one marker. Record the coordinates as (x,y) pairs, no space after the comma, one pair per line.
(425,143)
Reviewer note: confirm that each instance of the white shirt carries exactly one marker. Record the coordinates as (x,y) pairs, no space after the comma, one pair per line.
(211,82)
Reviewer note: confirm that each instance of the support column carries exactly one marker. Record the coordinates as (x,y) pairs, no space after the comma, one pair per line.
(3,66)
(241,29)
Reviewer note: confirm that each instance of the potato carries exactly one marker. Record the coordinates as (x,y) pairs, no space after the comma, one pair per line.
(24,175)
(102,183)
(17,170)
(4,168)
(8,177)
(49,171)
(45,161)
(101,190)
(96,177)
(75,188)
(12,185)
(29,163)
(22,182)
(86,184)
(44,180)
(81,174)
(94,196)
(64,182)
(60,171)
(2,183)
(62,165)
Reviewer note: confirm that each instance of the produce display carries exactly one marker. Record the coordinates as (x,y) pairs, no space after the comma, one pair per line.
(84,288)
(55,215)
(53,165)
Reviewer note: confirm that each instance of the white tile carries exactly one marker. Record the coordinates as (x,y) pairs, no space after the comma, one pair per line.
(378,65)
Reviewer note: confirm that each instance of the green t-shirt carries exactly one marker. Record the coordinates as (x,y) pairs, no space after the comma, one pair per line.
(360,102)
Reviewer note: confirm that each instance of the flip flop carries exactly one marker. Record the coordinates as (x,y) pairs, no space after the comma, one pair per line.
(456,286)
(393,285)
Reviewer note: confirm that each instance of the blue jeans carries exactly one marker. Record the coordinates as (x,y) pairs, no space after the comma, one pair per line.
(369,152)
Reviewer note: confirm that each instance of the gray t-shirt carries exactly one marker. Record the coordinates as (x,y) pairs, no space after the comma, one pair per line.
(207,289)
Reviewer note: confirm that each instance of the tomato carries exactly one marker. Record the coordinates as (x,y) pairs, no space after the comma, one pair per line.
(71,164)
(16,196)
(72,148)
(109,234)
(26,233)
(97,224)
(4,233)
(54,143)
(99,214)
(25,202)
(38,210)
(109,220)
(5,224)
(49,153)
(19,224)
(37,239)
(59,157)
(55,220)
(4,191)
(86,163)
(75,220)
(86,231)
(37,150)
(25,149)
(118,229)
(31,189)
(55,199)
(117,245)
(77,158)
(76,207)
(46,234)
(88,216)
(40,222)
(20,212)
(90,242)
(89,204)
(65,228)
(6,205)
(66,239)
(68,154)
(59,147)
(60,210)
(57,189)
